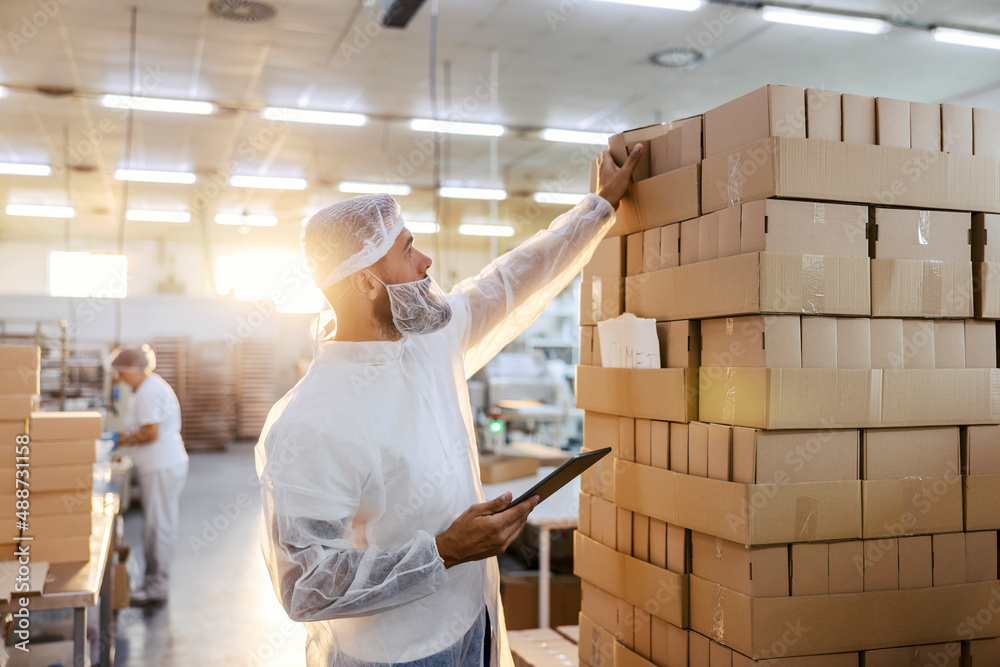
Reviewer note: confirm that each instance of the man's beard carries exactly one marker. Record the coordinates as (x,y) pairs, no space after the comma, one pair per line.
(383,318)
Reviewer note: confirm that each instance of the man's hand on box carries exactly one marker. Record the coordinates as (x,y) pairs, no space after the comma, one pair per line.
(612,180)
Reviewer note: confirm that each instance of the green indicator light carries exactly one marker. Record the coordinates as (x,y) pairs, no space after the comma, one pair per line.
(496,426)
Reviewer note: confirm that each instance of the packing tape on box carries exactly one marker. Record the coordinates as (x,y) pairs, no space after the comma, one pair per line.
(813,284)
(729,328)
(595,647)
(596,298)
(931,281)
(819,213)
(729,398)
(806,510)
(735,179)
(718,615)
(923,227)
(718,549)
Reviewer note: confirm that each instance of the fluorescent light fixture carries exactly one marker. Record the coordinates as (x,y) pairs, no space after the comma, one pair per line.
(18,169)
(472,193)
(157,104)
(268,182)
(862,24)
(966,38)
(184,177)
(568,199)
(259,220)
(38,211)
(486,230)
(138,215)
(456,127)
(399,190)
(417,227)
(318,117)
(683,5)
(575,136)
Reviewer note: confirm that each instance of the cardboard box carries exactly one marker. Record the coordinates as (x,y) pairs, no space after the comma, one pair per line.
(698,449)
(684,143)
(52,453)
(627,658)
(819,342)
(854,345)
(720,452)
(887,343)
(16,408)
(730,224)
(754,283)
(986,291)
(622,144)
(913,288)
(939,397)
(58,526)
(823,115)
(981,450)
(53,503)
(983,652)
(19,382)
(841,622)
(945,655)
(587,345)
(791,168)
(659,445)
(802,227)
(771,111)
(753,571)
(881,564)
(902,233)
(981,509)
(667,394)
(899,507)
(658,542)
(77,426)
(60,478)
(633,254)
(858,112)
(59,550)
(751,514)
(925,126)
(679,447)
(651,250)
(658,158)
(495,468)
(690,237)
(708,237)
(981,556)
(668,198)
(699,650)
(678,549)
(956,129)
(986,132)
(794,457)
(626,216)
(916,562)
(583,520)
(670,246)
(949,559)
(643,441)
(9,430)
(985,226)
(825,660)
(720,655)
(810,569)
(640,537)
(895,453)
(680,343)
(597,645)
(20,358)
(756,341)
(918,344)
(624,542)
(949,344)
(609,523)
(892,122)
(847,570)
(632,580)
(602,293)
(642,631)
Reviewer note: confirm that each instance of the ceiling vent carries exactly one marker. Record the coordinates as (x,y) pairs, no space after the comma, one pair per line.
(242,11)
(397,13)
(679,57)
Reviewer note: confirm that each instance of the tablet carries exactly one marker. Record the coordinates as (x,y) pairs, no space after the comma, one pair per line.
(562,475)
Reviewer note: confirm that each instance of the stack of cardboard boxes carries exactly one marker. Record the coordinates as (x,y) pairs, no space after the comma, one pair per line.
(57,467)
(811,477)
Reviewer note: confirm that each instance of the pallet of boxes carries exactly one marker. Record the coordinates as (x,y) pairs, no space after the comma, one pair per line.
(812,476)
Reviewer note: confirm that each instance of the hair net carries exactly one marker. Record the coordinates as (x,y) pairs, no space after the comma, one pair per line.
(134,359)
(349,236)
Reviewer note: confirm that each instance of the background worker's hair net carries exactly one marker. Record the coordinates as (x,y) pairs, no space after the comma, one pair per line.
(349,236)
(138,359)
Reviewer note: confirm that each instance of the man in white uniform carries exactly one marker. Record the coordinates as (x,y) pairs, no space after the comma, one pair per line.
(375,529)
(152,435)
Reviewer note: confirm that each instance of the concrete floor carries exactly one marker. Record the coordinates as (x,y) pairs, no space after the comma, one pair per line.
(222,609)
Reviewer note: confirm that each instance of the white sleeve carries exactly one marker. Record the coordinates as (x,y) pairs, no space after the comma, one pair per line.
(308,542)
(150,406)
(507,296)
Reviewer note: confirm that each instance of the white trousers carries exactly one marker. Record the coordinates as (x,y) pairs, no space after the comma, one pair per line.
(161,503)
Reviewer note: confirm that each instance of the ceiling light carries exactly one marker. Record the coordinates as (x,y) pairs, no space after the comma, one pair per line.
(246,219)
(676,57)
(575,136)
(36,211)
(683,5)
(569,199)
(157,104)
(18,169)
(966,38)
(399,190)
(154,176)
(310,116)
(472,193)
(486,230)
(455,127)
(137,215)
(422,227)
(868,26)
(268,182)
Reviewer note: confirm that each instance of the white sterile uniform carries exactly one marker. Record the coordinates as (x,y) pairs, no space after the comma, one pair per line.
(373,454)
(162,467)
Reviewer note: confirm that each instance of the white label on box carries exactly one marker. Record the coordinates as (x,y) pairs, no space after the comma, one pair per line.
(628,341)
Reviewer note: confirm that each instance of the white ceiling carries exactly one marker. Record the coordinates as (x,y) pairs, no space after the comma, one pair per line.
(576,64)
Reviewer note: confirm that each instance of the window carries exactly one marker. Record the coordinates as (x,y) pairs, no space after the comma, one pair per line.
(280,277)
(83,274)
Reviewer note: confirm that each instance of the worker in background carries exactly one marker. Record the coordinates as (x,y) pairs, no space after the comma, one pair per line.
(152,435)
(376,532)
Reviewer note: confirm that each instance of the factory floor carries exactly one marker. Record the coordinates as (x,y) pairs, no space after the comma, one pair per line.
(222,609)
